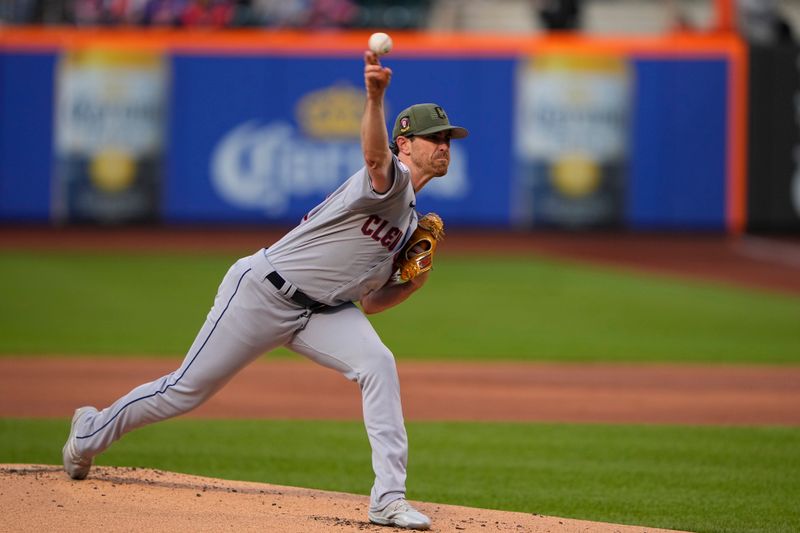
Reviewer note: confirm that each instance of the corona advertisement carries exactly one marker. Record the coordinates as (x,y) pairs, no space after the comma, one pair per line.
(109,136)
(571,140)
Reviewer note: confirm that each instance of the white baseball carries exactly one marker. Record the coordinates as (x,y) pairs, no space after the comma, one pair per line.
(380,43)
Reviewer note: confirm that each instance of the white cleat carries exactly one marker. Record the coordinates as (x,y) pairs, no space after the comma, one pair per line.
(399,513)
(75,465)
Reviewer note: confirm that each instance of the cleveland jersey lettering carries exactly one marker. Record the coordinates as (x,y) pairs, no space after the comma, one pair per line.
(373,227)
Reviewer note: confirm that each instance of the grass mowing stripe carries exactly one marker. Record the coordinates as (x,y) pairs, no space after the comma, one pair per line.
(705,479)
(93,303)
(483,308)
(552,311)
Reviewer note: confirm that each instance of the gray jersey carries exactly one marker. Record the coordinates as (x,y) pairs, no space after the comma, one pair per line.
(345,247)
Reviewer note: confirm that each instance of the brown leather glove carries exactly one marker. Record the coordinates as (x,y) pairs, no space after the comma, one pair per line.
(416,256)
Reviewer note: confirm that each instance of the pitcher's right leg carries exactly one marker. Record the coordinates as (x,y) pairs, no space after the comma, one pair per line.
(343,339)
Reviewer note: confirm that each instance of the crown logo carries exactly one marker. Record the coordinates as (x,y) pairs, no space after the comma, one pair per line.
(332,113)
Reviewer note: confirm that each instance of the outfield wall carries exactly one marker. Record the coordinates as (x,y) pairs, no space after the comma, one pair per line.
(257,127)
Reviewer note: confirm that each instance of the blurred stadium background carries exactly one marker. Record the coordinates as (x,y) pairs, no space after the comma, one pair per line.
(615,114)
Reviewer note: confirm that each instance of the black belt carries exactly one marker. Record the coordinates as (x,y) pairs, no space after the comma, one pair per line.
(299,297)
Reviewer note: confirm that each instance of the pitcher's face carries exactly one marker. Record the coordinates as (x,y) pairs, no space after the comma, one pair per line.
(431,153)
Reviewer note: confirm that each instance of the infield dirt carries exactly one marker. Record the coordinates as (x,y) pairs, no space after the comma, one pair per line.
(298,389)
(37,498)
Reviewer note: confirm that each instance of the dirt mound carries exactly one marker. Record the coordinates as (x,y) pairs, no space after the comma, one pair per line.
(42,498)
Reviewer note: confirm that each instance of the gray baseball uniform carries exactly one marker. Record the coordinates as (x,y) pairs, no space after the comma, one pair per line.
(299,294)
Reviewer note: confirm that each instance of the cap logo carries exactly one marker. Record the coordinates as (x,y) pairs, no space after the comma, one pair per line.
(440,113)
(405,124)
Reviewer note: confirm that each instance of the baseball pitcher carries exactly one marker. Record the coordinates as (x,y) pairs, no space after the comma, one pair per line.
(364,244)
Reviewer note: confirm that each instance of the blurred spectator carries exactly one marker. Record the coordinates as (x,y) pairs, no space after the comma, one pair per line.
(389,14)
(280,13)
(163,12)
(207,13)
(35,11)
(762,23)
(331,14)
(126,12)
(17,11)
(679,20)
(87,12)
(244,15)
(559,15)
(410,14)
(106,12)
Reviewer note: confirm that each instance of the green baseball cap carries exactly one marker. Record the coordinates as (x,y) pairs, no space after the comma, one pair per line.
(424,119)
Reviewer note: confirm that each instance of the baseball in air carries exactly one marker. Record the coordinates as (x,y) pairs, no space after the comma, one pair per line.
(380,43)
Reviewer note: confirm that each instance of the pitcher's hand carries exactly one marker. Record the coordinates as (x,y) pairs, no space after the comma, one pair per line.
(376,76)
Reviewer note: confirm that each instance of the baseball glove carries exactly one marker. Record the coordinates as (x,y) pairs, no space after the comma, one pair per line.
(416,256)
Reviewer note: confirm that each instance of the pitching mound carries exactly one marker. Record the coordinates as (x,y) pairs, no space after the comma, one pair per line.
(42,498)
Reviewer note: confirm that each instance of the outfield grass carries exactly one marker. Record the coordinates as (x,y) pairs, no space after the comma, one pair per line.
(705,479)
(473,308)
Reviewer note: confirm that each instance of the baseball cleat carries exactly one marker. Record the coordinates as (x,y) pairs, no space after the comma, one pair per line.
(75,465)
(399,513)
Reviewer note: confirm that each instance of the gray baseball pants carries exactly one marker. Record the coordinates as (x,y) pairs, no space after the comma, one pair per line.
(250,317)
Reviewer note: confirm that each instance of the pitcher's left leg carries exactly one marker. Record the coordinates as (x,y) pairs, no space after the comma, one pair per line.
(247,319)
(343,339)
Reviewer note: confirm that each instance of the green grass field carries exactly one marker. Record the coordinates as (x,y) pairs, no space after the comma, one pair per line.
(490,308)
(694,478)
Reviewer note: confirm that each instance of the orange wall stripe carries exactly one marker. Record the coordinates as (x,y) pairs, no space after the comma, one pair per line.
(349,42)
